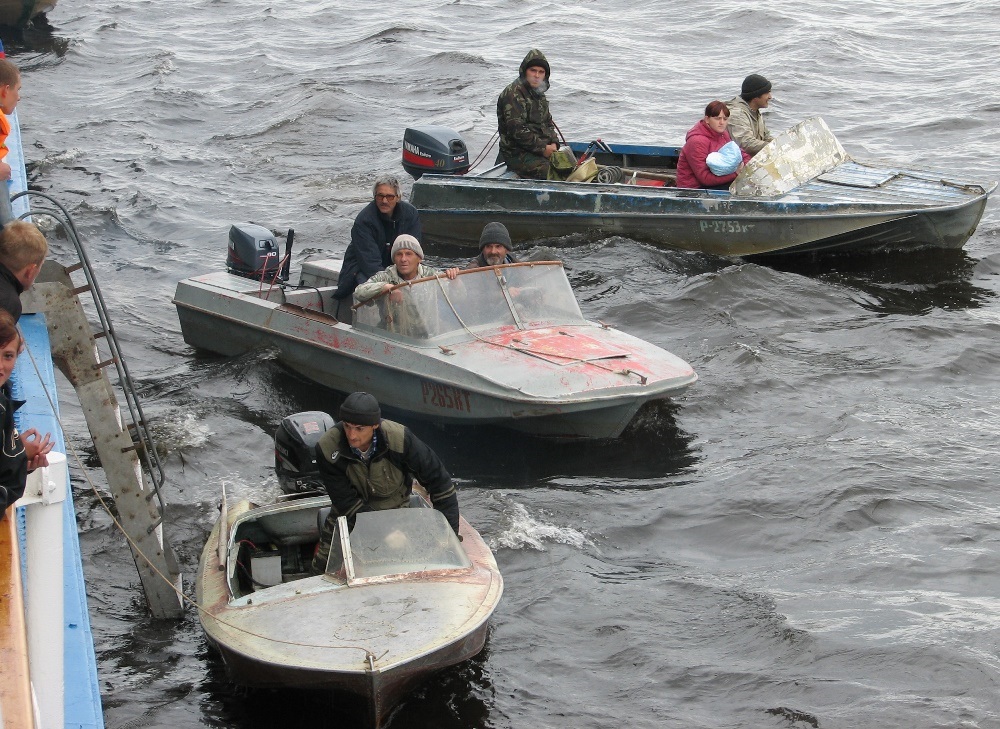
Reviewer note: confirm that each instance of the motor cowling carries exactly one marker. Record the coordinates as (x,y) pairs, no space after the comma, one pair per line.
(253,252)
(434,150)
(295,451)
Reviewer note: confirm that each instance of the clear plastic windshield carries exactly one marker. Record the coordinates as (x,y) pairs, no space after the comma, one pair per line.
(401,541)
(518,295)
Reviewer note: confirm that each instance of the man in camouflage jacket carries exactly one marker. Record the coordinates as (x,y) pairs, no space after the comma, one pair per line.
(527,132)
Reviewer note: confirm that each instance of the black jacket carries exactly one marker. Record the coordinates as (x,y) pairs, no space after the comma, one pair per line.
(371,240)
(13,459)
(10,292)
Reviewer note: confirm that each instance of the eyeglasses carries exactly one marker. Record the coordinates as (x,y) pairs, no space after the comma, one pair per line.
(386,198)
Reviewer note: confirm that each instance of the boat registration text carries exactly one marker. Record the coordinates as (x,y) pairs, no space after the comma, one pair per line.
(446,396)
(725,226)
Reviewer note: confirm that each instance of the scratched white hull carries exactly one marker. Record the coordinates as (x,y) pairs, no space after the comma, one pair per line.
(471,383)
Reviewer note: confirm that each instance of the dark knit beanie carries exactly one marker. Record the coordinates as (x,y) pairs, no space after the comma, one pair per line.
(754,85)
(360,408)
(495,233)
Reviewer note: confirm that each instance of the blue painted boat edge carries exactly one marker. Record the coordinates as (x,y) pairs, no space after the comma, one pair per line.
(82,693)
(81,688)
(644,150)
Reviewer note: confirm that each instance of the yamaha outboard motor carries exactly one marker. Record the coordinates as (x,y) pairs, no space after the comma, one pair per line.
(253,252)
(295,451)
(435,150)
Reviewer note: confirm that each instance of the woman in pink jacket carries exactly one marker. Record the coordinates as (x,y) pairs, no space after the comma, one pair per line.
(707,136)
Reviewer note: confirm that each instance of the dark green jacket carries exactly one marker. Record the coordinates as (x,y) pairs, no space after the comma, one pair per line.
(386,481)
(523,117)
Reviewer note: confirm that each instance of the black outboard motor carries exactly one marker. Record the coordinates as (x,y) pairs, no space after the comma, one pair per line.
(253,252)
(435,150)
(295,451)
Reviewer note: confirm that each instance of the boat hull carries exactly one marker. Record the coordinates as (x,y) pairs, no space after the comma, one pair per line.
(374,641)
(819,217)
(802,193)
(453,385)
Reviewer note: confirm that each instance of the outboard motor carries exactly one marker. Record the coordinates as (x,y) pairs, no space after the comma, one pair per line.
(253,252)
(295,451)
(436,150)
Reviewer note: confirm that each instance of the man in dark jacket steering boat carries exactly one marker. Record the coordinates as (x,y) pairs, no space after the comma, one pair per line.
(367,463)
(527,133)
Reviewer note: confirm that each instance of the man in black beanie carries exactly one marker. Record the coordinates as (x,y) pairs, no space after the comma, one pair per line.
(494,247)
(367,464)
(746,123)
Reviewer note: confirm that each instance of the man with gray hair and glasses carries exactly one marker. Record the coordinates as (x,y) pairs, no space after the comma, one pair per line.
(378,224)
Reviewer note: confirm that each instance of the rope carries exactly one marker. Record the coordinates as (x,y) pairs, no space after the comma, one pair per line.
(561,135)
(489,145)
(369,655)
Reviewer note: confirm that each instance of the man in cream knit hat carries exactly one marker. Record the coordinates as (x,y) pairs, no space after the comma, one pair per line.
(403,313)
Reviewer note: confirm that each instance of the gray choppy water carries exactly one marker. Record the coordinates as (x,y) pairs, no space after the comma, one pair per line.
(807,539)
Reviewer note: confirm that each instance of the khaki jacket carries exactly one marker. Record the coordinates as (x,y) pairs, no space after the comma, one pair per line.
(747,127)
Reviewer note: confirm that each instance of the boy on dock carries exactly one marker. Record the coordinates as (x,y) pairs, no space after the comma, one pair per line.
(10,94)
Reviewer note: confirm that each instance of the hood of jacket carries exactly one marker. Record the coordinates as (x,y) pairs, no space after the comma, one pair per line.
(535,58)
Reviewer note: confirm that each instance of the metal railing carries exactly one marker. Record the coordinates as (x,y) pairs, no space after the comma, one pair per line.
(138,426)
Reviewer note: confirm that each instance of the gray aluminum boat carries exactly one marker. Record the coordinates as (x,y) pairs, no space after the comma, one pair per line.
(401,598)
(505,345)
(800,194)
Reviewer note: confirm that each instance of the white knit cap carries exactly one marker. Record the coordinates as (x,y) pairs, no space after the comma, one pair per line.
(408,242)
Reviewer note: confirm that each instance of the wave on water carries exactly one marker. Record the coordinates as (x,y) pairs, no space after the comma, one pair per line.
(523,530)
(185,429)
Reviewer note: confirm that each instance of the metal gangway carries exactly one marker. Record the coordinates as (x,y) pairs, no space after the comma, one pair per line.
(124,445)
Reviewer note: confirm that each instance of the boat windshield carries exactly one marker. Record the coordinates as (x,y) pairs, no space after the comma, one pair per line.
(517,295)
(401,541)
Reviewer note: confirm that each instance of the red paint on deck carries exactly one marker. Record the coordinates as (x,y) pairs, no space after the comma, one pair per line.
(561,347)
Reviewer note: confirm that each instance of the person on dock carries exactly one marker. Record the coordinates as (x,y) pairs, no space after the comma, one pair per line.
(405,313)
(527,133)
(22,251)
(494,247)
(22,453)
(375,229)
(367,464)
(746,123)
(708,136)
(10,94)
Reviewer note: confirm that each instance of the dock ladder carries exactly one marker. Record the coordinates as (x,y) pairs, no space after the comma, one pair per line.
(125,446)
